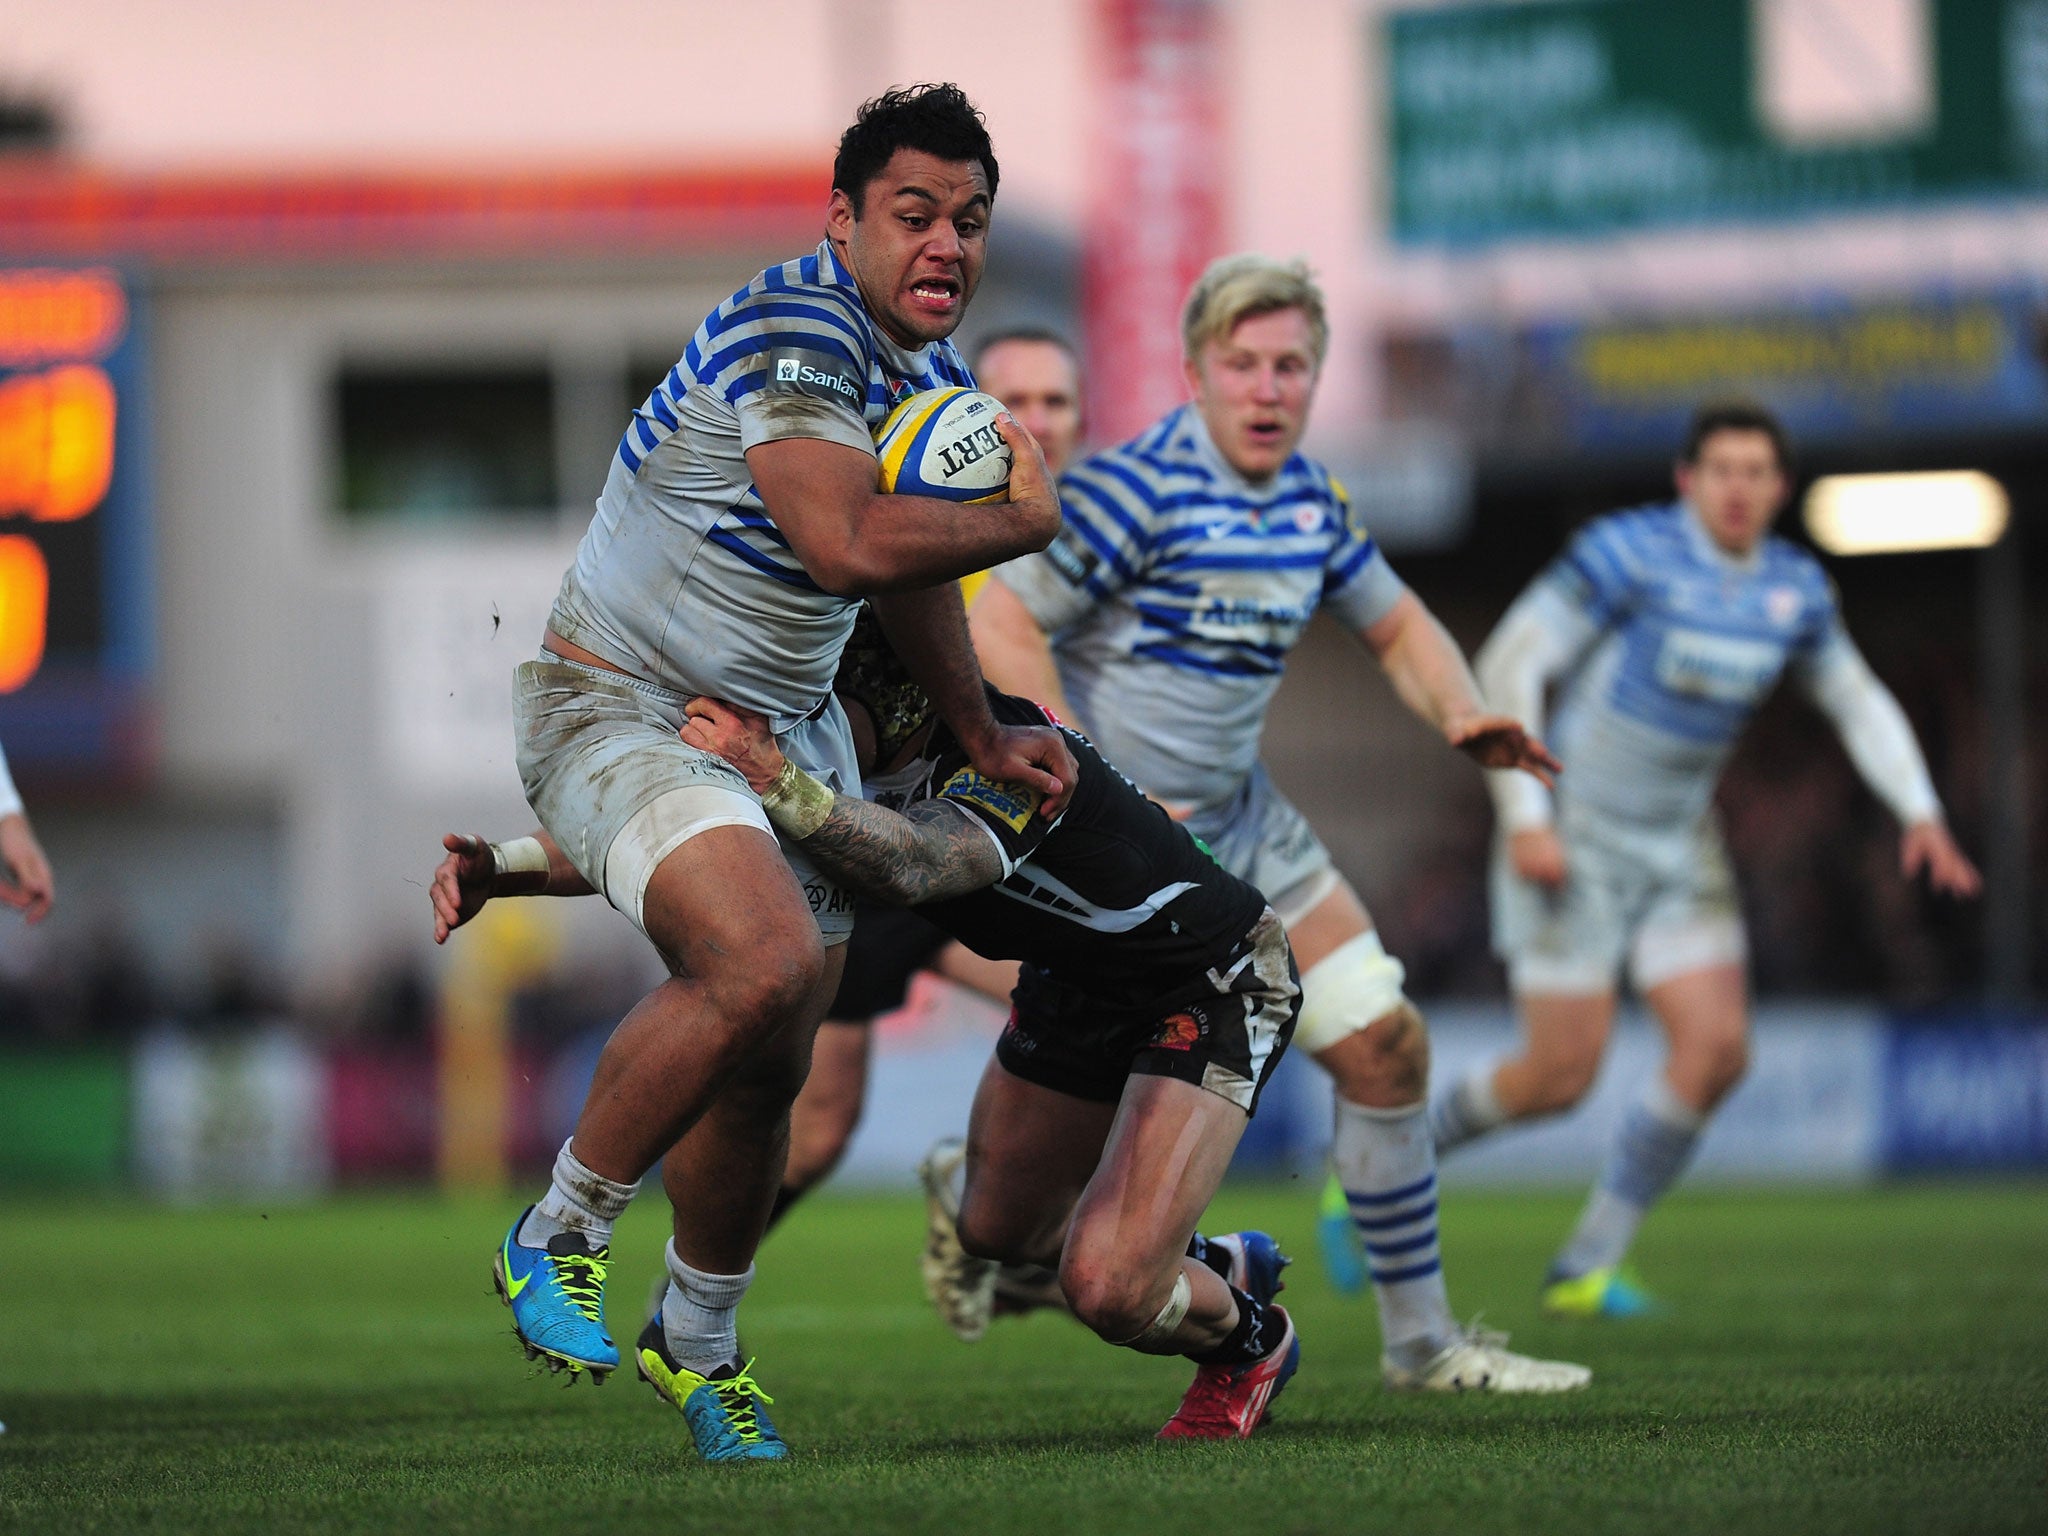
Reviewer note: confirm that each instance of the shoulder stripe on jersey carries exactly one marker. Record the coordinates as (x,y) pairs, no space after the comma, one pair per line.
(1126,480)
(747,348)
(1106,508)
(1111,555)
(815,307)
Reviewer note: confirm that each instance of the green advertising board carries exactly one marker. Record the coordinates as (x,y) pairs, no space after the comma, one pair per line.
(1579,117)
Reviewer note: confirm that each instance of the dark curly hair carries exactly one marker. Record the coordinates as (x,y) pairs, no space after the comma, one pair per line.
(938,119)
(1735,415)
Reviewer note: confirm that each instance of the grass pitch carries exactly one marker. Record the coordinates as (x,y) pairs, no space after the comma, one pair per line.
(1856,1363)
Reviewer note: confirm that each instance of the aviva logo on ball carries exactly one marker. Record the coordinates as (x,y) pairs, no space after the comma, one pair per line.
(944,443)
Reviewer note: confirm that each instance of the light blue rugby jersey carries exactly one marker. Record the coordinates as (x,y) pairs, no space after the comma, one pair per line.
(683,579)
(1682,642)
(1175,591)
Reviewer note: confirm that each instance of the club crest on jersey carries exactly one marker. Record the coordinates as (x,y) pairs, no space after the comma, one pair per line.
(1011,804)
(1180,1031)
(1782,605)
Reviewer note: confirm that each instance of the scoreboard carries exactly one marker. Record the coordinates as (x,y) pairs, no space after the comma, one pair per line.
(76,620)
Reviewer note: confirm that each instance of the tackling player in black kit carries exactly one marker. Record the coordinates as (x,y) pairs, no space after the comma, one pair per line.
(1156,997)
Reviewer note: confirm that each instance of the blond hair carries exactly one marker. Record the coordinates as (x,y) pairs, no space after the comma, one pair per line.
(1235,288)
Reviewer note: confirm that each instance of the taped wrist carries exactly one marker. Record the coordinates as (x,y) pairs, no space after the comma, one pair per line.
(519,867)
(797,803)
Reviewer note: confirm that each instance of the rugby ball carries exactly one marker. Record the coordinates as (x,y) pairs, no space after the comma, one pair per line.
(944,443)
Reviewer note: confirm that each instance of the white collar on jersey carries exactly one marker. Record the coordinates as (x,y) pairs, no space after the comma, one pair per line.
(1704,546)
(897,361)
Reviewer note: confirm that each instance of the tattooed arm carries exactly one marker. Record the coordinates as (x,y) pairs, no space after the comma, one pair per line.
(928,853)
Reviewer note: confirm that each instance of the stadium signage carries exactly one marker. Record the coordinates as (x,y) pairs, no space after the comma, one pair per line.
(1944,363)
(1585,116)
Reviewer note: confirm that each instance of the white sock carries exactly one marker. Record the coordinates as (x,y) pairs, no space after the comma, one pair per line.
(1650,1151)
(577,1201)
(1386,1162)
(697,1315)
(1465,1111)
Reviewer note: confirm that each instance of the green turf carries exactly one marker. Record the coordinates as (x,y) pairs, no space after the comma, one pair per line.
(1854,1363)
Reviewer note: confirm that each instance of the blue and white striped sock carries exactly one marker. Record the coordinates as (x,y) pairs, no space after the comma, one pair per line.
(1465,1111)
(1386,1162)
(1655,1143)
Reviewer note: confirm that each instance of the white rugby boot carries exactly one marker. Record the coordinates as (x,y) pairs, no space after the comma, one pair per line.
(1481,1362)
(960,1286)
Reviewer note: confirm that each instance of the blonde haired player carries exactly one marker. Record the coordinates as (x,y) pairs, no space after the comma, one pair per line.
(1191,560)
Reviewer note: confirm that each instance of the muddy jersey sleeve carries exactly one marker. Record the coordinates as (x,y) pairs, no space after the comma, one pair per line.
(794,363)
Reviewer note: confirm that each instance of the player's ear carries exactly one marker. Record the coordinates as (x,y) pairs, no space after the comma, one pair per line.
(840,215)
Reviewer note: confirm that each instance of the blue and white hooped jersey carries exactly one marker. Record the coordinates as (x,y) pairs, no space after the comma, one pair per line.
(1680,642)
(683,578)
(1175,591)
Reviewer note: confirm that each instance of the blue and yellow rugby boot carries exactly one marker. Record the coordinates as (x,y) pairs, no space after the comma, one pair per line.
(1612,1292)
(556,1295)
(726,1411)
(1337,1234)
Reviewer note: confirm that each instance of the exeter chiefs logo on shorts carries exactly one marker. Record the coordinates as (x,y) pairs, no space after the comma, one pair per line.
(1181,1031)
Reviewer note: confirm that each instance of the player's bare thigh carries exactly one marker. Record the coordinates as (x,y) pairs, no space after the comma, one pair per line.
(1332,922)
(725,907)
(1167,1151)
(1030,1154)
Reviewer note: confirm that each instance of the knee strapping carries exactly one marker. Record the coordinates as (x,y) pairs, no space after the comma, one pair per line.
(1357,983)
(1167,1323)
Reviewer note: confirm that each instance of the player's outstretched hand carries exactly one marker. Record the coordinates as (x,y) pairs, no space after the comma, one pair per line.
(1927,845)
(25,877)
(26,881)
(739,736)
(1501,741)
(461,883)
(1032,494)
(1537,854)
(1032,755)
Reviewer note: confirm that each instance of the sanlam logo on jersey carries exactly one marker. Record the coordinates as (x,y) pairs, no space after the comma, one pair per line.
(835,381)
(1718,667)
